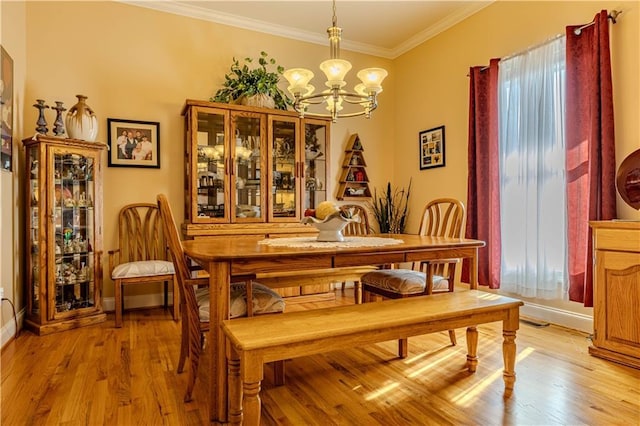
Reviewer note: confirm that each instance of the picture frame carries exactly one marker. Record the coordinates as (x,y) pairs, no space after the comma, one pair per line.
(431,144)
(133,143)
(286,180)
(6,110)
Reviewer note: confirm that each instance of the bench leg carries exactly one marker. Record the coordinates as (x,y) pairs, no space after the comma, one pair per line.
(472,349)
(452,337)
(117,286)
(252,374)
(235,387)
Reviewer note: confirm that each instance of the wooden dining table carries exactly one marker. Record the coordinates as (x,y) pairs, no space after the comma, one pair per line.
(224,257)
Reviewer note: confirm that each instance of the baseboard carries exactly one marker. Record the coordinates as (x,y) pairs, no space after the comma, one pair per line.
(561,317)
(9,329)
(136,302)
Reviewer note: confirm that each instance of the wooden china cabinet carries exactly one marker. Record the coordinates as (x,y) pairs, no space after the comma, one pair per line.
(63,205)
(616,291)
(252,171)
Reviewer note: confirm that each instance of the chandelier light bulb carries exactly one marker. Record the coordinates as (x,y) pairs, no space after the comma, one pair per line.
(364,96)
(298,79)
(335,70)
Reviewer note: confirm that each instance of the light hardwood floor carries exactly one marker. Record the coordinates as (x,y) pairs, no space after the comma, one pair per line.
(101,375)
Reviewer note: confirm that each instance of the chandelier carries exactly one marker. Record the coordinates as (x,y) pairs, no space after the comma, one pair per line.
(364,96)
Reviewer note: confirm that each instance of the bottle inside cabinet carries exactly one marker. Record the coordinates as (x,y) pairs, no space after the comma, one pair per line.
(73,222)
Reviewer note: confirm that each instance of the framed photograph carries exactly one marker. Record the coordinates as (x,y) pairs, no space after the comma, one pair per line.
(133,143)
(286,180)
(6,109)
(431,143)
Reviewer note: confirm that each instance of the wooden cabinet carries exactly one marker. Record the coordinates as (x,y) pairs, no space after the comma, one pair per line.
(354,182)
(251,171)
(616,292)
(63,233)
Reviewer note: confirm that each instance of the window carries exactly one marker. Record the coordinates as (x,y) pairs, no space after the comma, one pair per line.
(531,93)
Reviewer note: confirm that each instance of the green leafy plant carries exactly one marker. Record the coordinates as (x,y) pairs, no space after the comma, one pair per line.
(391,209)
(243,81)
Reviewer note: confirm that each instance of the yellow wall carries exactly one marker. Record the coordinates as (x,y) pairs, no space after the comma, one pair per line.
(432,87)
(13,24)
(139,64)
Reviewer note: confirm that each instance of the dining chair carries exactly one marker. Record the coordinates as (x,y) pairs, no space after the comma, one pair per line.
(141,256)
(443,217)
(194,300)
(356,228)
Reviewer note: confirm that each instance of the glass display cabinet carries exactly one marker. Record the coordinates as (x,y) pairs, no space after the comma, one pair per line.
(251,171)
(64,233)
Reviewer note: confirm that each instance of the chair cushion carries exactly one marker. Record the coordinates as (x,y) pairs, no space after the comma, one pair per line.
(402,281)
(142,268)
(265,301)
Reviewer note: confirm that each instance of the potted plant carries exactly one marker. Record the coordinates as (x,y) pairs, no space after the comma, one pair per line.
(391,209)
(253,86)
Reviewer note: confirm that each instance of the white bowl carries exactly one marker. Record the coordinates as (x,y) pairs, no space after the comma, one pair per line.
(330,227)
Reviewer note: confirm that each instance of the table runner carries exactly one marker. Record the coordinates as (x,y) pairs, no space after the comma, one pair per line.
(311,242)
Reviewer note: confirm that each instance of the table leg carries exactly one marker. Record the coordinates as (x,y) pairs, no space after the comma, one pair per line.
(472,349)
(219,284)
(473,270)
(509,327)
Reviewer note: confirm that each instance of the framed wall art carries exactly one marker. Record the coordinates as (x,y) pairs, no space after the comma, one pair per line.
(133,143)
(6,109)
(431,143)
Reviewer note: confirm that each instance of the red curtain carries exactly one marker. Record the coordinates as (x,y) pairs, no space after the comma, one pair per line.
(591,193)
(483,188)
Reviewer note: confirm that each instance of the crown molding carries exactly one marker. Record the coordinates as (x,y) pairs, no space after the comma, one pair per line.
(440,26)
(198,12)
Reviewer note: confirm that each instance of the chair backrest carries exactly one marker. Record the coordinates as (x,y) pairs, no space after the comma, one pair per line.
(443,217)
(174,243)
(140,233)
(355,228)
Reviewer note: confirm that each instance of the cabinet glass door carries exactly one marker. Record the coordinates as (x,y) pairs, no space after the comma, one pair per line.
(284,154)
(316,137)
(72,212)
(248,194)
(210,173)
(34,224)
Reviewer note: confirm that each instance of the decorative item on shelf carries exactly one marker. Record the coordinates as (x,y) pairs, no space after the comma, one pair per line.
(391,210)
(329,220)
(354,170)
(364,96)
(58,125)
(41,124)
(81,121)
(254,87)
(628,179)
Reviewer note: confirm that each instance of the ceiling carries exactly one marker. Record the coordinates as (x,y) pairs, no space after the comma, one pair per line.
(380,28)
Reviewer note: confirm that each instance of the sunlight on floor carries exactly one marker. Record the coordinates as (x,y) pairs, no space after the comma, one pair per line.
(424,367)
(465,398)
(383,390)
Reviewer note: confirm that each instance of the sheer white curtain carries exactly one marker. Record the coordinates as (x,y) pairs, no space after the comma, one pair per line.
(532,172)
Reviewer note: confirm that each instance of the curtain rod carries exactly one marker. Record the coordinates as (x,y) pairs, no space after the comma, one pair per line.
(612,15)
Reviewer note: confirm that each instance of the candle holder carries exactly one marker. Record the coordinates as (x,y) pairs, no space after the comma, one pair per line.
(41,124)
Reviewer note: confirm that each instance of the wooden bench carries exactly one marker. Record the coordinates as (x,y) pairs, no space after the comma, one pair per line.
(251,342)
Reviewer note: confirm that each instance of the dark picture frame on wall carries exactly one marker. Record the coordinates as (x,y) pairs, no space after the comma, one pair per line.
(133,143)
(431,144)
(6,109)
